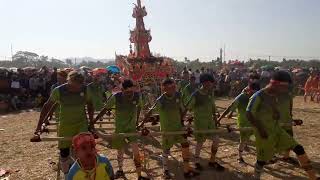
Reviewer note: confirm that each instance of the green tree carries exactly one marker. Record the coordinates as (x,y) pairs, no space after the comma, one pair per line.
(69,62)
(25,56)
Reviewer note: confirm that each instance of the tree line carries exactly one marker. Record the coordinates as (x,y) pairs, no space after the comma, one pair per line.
(30,59)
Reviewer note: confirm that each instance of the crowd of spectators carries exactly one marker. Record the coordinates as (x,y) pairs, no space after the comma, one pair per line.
(29,87)
(25,88)
(230,82)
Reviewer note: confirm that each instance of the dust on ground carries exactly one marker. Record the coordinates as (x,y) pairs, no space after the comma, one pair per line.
(28,160)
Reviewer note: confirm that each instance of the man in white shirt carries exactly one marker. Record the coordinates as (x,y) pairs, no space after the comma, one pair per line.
(197,76)
(32,83)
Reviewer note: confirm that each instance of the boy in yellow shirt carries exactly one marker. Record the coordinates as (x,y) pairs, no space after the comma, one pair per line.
(89,165)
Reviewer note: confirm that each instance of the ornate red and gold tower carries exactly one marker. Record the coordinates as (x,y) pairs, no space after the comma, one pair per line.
(140,36)
(140,64)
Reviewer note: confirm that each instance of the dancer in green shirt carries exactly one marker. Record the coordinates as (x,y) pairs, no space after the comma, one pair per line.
(264,113)
(127,104)
(189,89)
(96,90)
(184,81)
(170,107)
(204,109)
(71,99)
(240,104)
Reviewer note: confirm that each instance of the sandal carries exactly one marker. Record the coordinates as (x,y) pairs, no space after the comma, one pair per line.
(143,178)
(241,161)
(246,148)
(167,175)
(216,166)
(198,167)
(290,160)
(273,160)
(119,174)
(191,174)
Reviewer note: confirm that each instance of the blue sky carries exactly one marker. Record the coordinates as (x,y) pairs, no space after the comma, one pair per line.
(192,28)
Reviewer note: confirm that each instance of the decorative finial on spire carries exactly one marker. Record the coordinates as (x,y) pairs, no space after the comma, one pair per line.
(139,3)
(140,37)
(130,46)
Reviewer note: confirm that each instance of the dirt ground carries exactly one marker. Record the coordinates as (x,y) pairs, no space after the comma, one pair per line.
(28,160)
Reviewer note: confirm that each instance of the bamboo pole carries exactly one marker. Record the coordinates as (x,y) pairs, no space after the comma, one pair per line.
(218,107)
(281,124)
(104,122)
(106,129)
(50,139)
(108,135)
(99,122)
(108,117)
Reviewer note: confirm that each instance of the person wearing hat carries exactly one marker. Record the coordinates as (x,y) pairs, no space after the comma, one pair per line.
(71,99)
(265,111)
(240,104)
(96,90)
(204,110)
(89,164)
